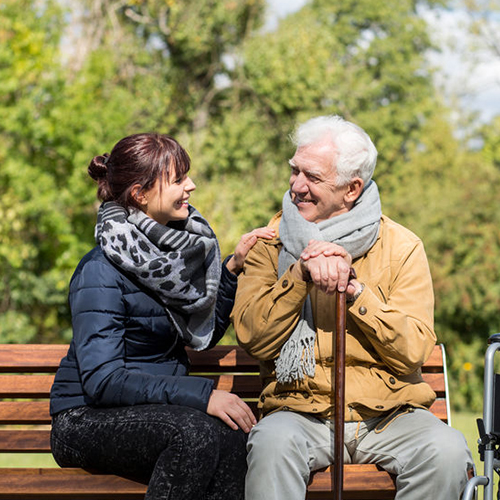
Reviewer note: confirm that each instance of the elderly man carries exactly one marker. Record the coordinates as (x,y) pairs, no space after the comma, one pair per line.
(284,316)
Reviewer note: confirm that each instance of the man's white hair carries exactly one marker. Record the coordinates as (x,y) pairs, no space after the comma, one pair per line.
(356,156)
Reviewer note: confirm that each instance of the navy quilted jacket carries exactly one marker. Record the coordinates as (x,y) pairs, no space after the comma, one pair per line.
(124,350)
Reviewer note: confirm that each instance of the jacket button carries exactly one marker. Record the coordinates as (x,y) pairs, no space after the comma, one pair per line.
(262,398)
(362,310)
(379,407)
(329,359)
(306,395)
(284,284)
(392,380)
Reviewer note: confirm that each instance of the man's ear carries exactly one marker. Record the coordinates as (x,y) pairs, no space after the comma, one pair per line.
(354,190)
(138,194)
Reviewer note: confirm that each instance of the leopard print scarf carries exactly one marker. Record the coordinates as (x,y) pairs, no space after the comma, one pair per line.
(179,262)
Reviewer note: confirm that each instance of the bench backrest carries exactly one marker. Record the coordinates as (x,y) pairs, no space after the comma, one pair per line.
(27,372)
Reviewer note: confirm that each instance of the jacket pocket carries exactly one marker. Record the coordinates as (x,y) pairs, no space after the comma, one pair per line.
(396,413)
(392,381)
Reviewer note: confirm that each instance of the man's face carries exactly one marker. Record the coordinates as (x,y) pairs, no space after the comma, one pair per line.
(312,182)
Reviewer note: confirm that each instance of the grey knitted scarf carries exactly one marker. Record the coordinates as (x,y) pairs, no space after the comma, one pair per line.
(356,231)
(179,262)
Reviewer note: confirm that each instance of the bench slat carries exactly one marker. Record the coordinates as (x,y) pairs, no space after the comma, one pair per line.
(25,386)
(361,481)
(439,409)
(17,484)
(35,357)
(223,356)
(24,412)
(31,357)
(435,361)
(247,385)
(437,383)
(25,441)
(38,386)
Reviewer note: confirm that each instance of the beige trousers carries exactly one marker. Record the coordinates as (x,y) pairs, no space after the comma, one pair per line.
(429,458)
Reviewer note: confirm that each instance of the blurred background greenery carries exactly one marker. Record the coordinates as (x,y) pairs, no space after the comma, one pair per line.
(77,76)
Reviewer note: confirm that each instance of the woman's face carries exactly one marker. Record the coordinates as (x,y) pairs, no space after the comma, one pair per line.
(168,199)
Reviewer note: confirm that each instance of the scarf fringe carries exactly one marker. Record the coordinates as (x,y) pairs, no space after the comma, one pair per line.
(296,360)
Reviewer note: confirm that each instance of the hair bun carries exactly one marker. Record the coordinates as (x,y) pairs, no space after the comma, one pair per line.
(98,168)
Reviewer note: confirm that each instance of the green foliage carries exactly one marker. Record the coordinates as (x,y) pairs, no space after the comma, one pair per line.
(491,137)
(205,72)
(31,228)
(449,197)
(465,374)
(443,199)
(363,60)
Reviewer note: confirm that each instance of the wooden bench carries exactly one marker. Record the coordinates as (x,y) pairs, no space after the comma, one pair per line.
(26,375)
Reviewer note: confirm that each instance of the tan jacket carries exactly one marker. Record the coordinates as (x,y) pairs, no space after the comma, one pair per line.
(389,328)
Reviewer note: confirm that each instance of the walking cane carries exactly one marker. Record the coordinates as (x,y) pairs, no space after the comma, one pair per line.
(339,394)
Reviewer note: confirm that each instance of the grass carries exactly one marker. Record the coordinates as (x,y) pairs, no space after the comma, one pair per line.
(465,422)
(27,460)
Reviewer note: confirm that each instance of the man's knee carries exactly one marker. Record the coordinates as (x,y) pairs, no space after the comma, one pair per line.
(278,458)
(449,449)
(273,441)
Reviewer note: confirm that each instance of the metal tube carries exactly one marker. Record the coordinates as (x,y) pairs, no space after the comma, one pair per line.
(470,488)
(488,408)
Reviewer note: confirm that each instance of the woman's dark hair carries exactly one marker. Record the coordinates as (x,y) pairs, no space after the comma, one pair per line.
(137,159)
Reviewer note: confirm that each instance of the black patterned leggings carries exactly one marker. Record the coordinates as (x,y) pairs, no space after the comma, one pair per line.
(180,452)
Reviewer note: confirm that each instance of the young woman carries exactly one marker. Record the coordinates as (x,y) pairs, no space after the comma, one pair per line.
(122,400)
